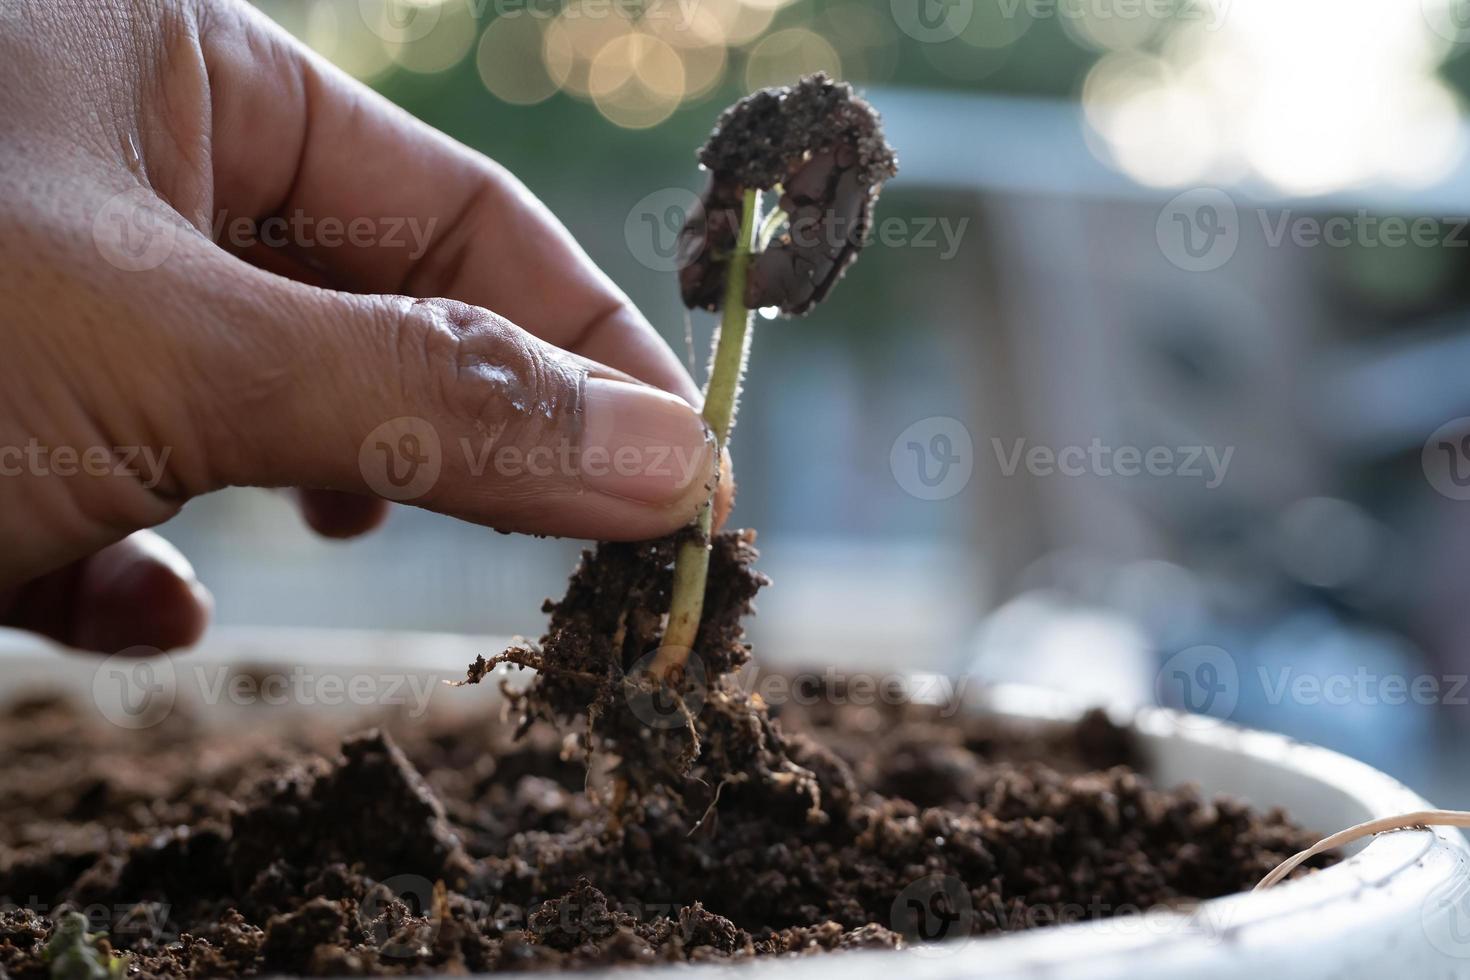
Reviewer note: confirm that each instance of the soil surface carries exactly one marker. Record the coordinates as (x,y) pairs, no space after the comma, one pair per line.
(725,829)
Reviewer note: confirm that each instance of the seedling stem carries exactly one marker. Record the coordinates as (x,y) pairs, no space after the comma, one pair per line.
(721,399)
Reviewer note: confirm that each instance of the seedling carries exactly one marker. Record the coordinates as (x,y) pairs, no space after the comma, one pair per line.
(821,148)
(73,953)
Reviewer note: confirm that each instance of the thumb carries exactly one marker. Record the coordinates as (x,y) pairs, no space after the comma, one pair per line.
(452,408)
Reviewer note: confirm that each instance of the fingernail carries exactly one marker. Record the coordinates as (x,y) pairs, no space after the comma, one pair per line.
(643,444)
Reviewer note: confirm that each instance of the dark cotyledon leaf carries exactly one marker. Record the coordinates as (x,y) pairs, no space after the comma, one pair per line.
(824,147)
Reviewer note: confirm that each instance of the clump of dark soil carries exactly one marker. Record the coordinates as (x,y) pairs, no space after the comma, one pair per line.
(725,830)
(595,665)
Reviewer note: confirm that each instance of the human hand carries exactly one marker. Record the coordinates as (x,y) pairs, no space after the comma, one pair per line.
(158,345)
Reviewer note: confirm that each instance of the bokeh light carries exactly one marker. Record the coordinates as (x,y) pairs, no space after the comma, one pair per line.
(864,39)
(510,64)
(1113,27)
(996,24)
(963,62)
(636,80)
(444,41)
(337,31)
(1311,96)
(741,22)
(700,42)
(636,63)
(573,40)
(787,54)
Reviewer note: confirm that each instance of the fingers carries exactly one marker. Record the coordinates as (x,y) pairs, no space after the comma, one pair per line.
(340,515)
(139,592)
(294,136)
(439,405)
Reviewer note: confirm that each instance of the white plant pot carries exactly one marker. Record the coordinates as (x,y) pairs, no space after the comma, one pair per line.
(1398,907)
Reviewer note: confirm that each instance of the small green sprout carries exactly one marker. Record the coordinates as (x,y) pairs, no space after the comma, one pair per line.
(73,953)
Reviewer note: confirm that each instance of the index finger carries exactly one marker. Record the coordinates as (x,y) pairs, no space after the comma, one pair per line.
(293,135)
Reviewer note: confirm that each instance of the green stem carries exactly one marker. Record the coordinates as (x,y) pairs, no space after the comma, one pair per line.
(721,399)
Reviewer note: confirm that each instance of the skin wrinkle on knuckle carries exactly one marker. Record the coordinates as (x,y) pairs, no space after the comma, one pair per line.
(238,387)
(73,370)
(77,507)
(204,378)
(83,506)
(85,353)
(494,380)
(179,112)
(449,251)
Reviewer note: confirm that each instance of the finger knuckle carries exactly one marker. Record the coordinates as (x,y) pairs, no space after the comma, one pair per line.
(107,502)
(487,374)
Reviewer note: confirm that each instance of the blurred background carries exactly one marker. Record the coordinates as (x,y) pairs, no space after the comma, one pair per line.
(1152,387)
